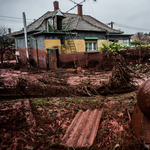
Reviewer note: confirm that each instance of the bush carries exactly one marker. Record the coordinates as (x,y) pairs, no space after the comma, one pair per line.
(112,47)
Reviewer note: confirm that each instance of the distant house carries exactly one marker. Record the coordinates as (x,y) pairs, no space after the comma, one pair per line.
(58,39)
(140,36)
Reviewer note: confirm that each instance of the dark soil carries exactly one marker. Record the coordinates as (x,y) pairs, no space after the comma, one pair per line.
(43,123)
(52,116)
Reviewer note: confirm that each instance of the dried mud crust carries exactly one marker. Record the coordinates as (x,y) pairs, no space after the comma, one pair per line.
(41,123)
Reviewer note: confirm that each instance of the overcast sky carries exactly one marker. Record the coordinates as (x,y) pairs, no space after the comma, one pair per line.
(130,16)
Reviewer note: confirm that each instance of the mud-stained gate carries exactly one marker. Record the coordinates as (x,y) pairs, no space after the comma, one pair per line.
(52,55)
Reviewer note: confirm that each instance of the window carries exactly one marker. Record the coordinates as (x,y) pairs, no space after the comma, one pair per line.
(62,41)
(59,23)
(126,42)
(91,44)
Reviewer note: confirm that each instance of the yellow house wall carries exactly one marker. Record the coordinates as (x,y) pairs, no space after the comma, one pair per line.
(51,43)
(80,45)
(100,43)
(120,41)
(65,49)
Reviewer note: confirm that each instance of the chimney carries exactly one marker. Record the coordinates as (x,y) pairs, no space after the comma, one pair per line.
(9,31)
(56,5)
(80,10)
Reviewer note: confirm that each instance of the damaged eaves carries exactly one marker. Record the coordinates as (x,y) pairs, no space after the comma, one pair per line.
(29,32)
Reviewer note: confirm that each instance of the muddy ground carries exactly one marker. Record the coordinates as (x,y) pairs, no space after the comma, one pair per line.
(41,122)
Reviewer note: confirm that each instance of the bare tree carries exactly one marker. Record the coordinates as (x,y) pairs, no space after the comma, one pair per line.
(6,42)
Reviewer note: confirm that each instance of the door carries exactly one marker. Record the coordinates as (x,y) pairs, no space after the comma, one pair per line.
(52,58)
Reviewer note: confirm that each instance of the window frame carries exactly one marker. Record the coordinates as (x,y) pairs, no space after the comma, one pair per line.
(91,44)
(126,41)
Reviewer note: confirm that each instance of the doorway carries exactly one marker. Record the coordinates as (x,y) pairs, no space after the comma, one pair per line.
(52,58)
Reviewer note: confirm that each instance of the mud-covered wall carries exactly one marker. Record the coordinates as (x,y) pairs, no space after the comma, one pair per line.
(42,59)
(84,59)
(22,57)
(20,46)
(35,44)
(44,41)
(40,42)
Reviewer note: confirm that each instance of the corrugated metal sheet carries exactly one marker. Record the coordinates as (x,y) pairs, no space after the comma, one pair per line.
(83,129)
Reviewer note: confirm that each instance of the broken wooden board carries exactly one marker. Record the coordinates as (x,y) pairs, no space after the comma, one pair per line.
(83,129)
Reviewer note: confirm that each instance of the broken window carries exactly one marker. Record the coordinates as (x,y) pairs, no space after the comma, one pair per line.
(59,23)
(51,22)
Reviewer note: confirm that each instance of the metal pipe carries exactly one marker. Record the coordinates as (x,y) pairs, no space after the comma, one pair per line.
(36,46)
(130,42)
(47,27)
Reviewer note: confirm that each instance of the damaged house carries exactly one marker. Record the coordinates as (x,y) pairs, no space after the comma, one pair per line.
(60,39)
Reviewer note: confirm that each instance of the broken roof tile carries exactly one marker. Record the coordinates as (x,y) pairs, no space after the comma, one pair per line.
(83,129)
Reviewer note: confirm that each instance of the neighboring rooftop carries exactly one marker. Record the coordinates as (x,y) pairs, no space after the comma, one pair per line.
(140,37)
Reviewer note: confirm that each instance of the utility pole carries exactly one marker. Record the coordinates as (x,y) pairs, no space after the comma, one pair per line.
(25,34)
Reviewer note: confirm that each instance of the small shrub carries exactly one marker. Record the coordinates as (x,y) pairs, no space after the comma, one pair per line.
(112,47)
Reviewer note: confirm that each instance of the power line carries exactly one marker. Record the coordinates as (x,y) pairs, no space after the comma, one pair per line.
(75,6)
(73,2)
(13,17)
(91,8)
(15,21)
(9,22)
(130,27)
